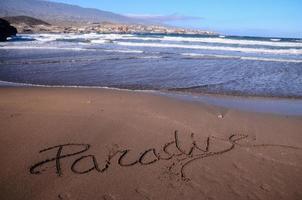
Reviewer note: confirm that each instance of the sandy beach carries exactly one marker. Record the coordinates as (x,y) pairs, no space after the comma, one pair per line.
(76,144)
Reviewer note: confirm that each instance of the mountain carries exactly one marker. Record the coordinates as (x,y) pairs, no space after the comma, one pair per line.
(25,20)
(59,12)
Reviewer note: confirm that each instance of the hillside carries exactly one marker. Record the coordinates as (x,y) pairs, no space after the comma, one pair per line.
(30,21)
(41,16)
(59,12)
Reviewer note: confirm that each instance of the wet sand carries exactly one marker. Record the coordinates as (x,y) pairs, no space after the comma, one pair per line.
(75,144)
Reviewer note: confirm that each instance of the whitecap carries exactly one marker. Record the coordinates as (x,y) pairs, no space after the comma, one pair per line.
(196,55)
(124,51)
(218,41)
(217,48)
(45,48)
(100,41)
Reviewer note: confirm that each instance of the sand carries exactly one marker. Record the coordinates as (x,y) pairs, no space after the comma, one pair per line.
(107,144)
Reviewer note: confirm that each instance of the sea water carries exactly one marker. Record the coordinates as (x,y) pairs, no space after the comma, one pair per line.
(248,66)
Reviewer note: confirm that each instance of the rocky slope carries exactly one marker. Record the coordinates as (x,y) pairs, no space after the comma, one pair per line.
(6,30)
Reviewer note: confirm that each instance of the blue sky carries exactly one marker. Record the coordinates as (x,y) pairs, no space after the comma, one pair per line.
(279,18)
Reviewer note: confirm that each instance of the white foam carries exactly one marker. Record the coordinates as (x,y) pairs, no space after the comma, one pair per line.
(45,47)
(243,57)
(99,41)
(208,55)
(221,40)
(217,48)
(202,55)
(15,84)
(124,51)
(272,59)
(90,36)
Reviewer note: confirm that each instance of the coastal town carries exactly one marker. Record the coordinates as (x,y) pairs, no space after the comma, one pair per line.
(30,25)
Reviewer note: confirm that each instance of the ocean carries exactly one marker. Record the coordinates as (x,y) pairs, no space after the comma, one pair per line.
(244,66)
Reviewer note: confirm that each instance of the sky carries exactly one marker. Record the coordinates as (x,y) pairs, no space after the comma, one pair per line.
(271,18)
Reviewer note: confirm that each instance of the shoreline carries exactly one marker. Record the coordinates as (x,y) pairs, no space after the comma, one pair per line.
(259,104)
(71,143)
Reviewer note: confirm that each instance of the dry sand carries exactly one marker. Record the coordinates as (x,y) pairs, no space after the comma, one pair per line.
(102,144)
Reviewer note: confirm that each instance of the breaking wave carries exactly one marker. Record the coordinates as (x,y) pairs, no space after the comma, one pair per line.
(217,48)
(195,55)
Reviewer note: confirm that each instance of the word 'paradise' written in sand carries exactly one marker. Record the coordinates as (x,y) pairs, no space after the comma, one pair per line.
(172,152)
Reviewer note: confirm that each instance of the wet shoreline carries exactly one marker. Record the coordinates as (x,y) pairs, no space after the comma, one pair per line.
(259,104)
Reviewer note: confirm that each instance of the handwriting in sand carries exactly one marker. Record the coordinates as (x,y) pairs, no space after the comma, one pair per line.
(171,151)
